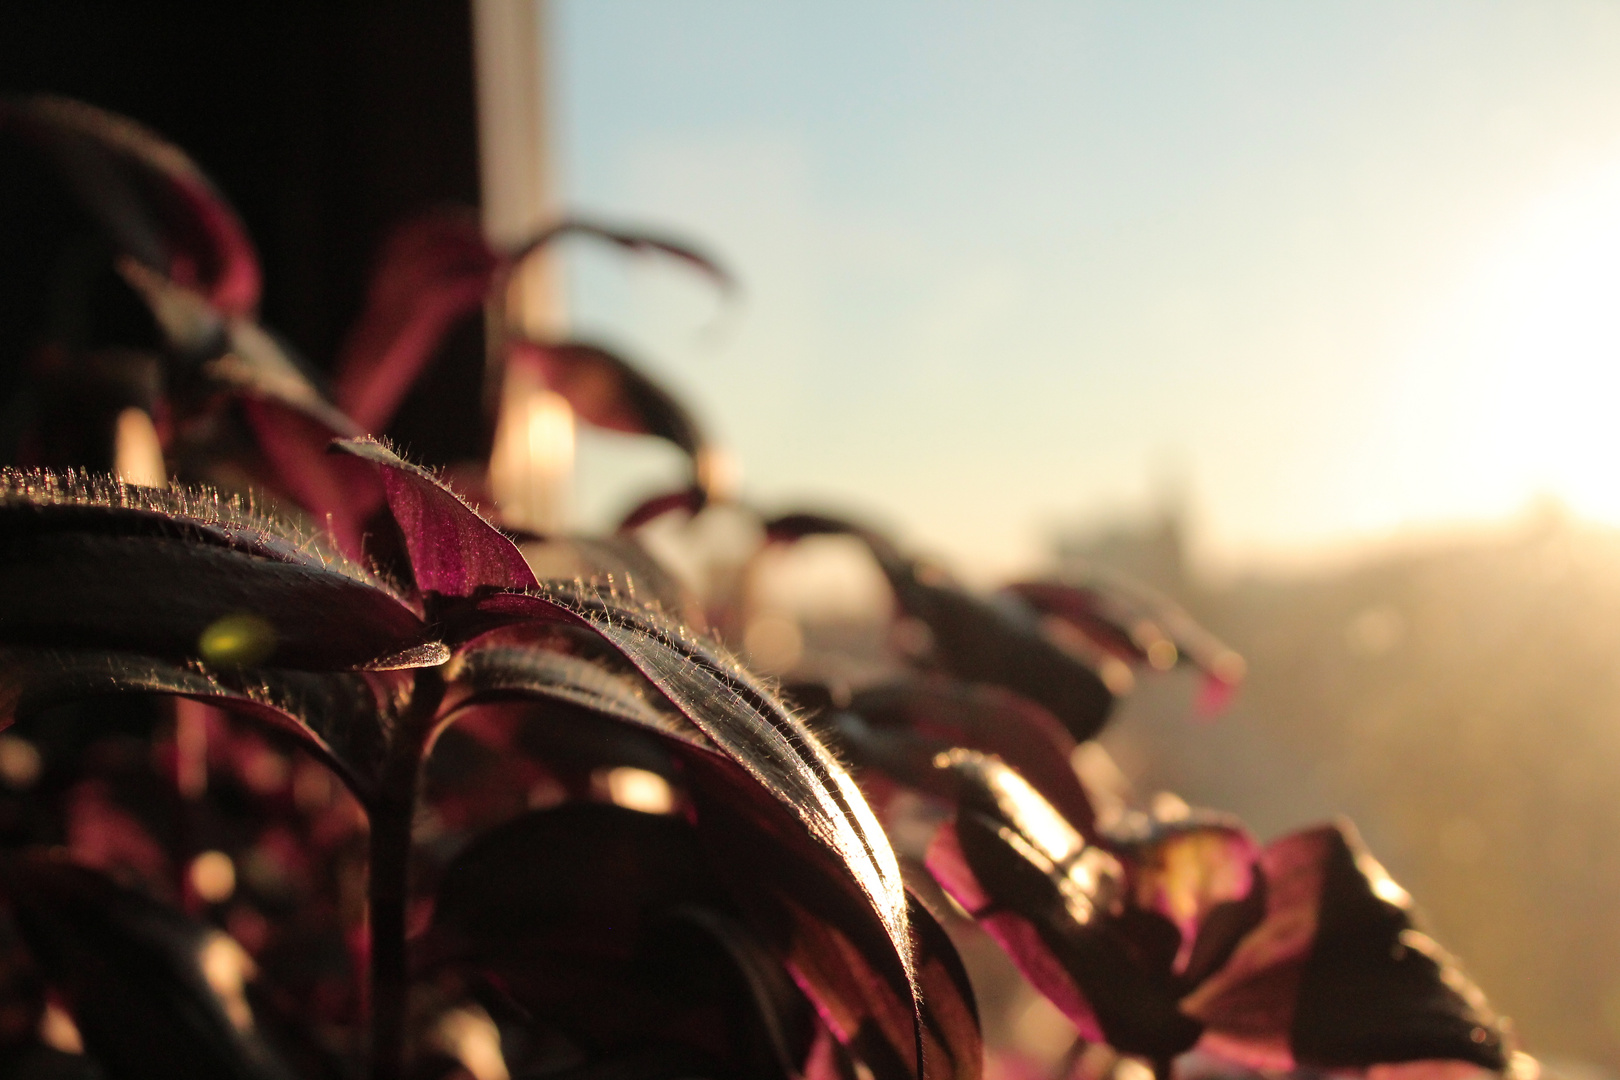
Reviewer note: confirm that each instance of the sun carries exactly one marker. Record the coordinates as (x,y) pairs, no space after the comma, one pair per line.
(1513,394)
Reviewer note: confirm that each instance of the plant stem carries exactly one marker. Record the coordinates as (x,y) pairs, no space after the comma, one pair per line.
(392,813)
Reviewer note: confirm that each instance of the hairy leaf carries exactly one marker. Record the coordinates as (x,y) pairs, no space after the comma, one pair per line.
(618,563)
(338,716)
(109,566)
(468,562)
(457,554)
(338,491)
(453,551)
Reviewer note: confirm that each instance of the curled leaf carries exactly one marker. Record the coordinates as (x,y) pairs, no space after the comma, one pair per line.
(1056,904)
(973,639)
(1200,872)
(154,203)
(902,727)
(436,271)
(1337,975)
(1131,622)
(606,391)
(433,272)
(1378,989)
(632,240)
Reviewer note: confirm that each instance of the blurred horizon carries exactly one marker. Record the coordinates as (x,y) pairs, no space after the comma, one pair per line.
(1327,276)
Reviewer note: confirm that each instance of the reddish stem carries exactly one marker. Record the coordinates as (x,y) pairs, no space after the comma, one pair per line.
(392,813)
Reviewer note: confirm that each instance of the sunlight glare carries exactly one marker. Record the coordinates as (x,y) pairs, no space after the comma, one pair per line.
(1512,396)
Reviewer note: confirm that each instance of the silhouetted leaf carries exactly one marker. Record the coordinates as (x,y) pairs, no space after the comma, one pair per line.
(974,639)
(793,777)
(1375,988)
(633,240)
(687,500)
(1134,623)
(839,954)
(339,716)
(436,271)
(153,993)
(154,203)
(606,923)
(94,564)
(760,846)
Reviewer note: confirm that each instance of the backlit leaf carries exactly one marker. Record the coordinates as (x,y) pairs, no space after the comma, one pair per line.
(453,551)
(973,639)
(101,565)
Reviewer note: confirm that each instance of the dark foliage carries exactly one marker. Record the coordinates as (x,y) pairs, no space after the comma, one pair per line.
(191,893)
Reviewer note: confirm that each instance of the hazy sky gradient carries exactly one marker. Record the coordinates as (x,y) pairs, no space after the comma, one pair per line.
(1018,264)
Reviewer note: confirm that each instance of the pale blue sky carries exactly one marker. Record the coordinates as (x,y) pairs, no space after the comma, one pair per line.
(1006,265)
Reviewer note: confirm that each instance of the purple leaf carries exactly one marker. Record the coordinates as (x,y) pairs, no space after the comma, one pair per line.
(453,551)
(621,564)
(760,836)
(1337,976)
(1055,903)
(634,241)
(337,491)
(1375,988)
(432,273)
(606,391)
(1130,621)
(1199,872)
(687,500)
(488,674)
(771,776)
(841,957)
